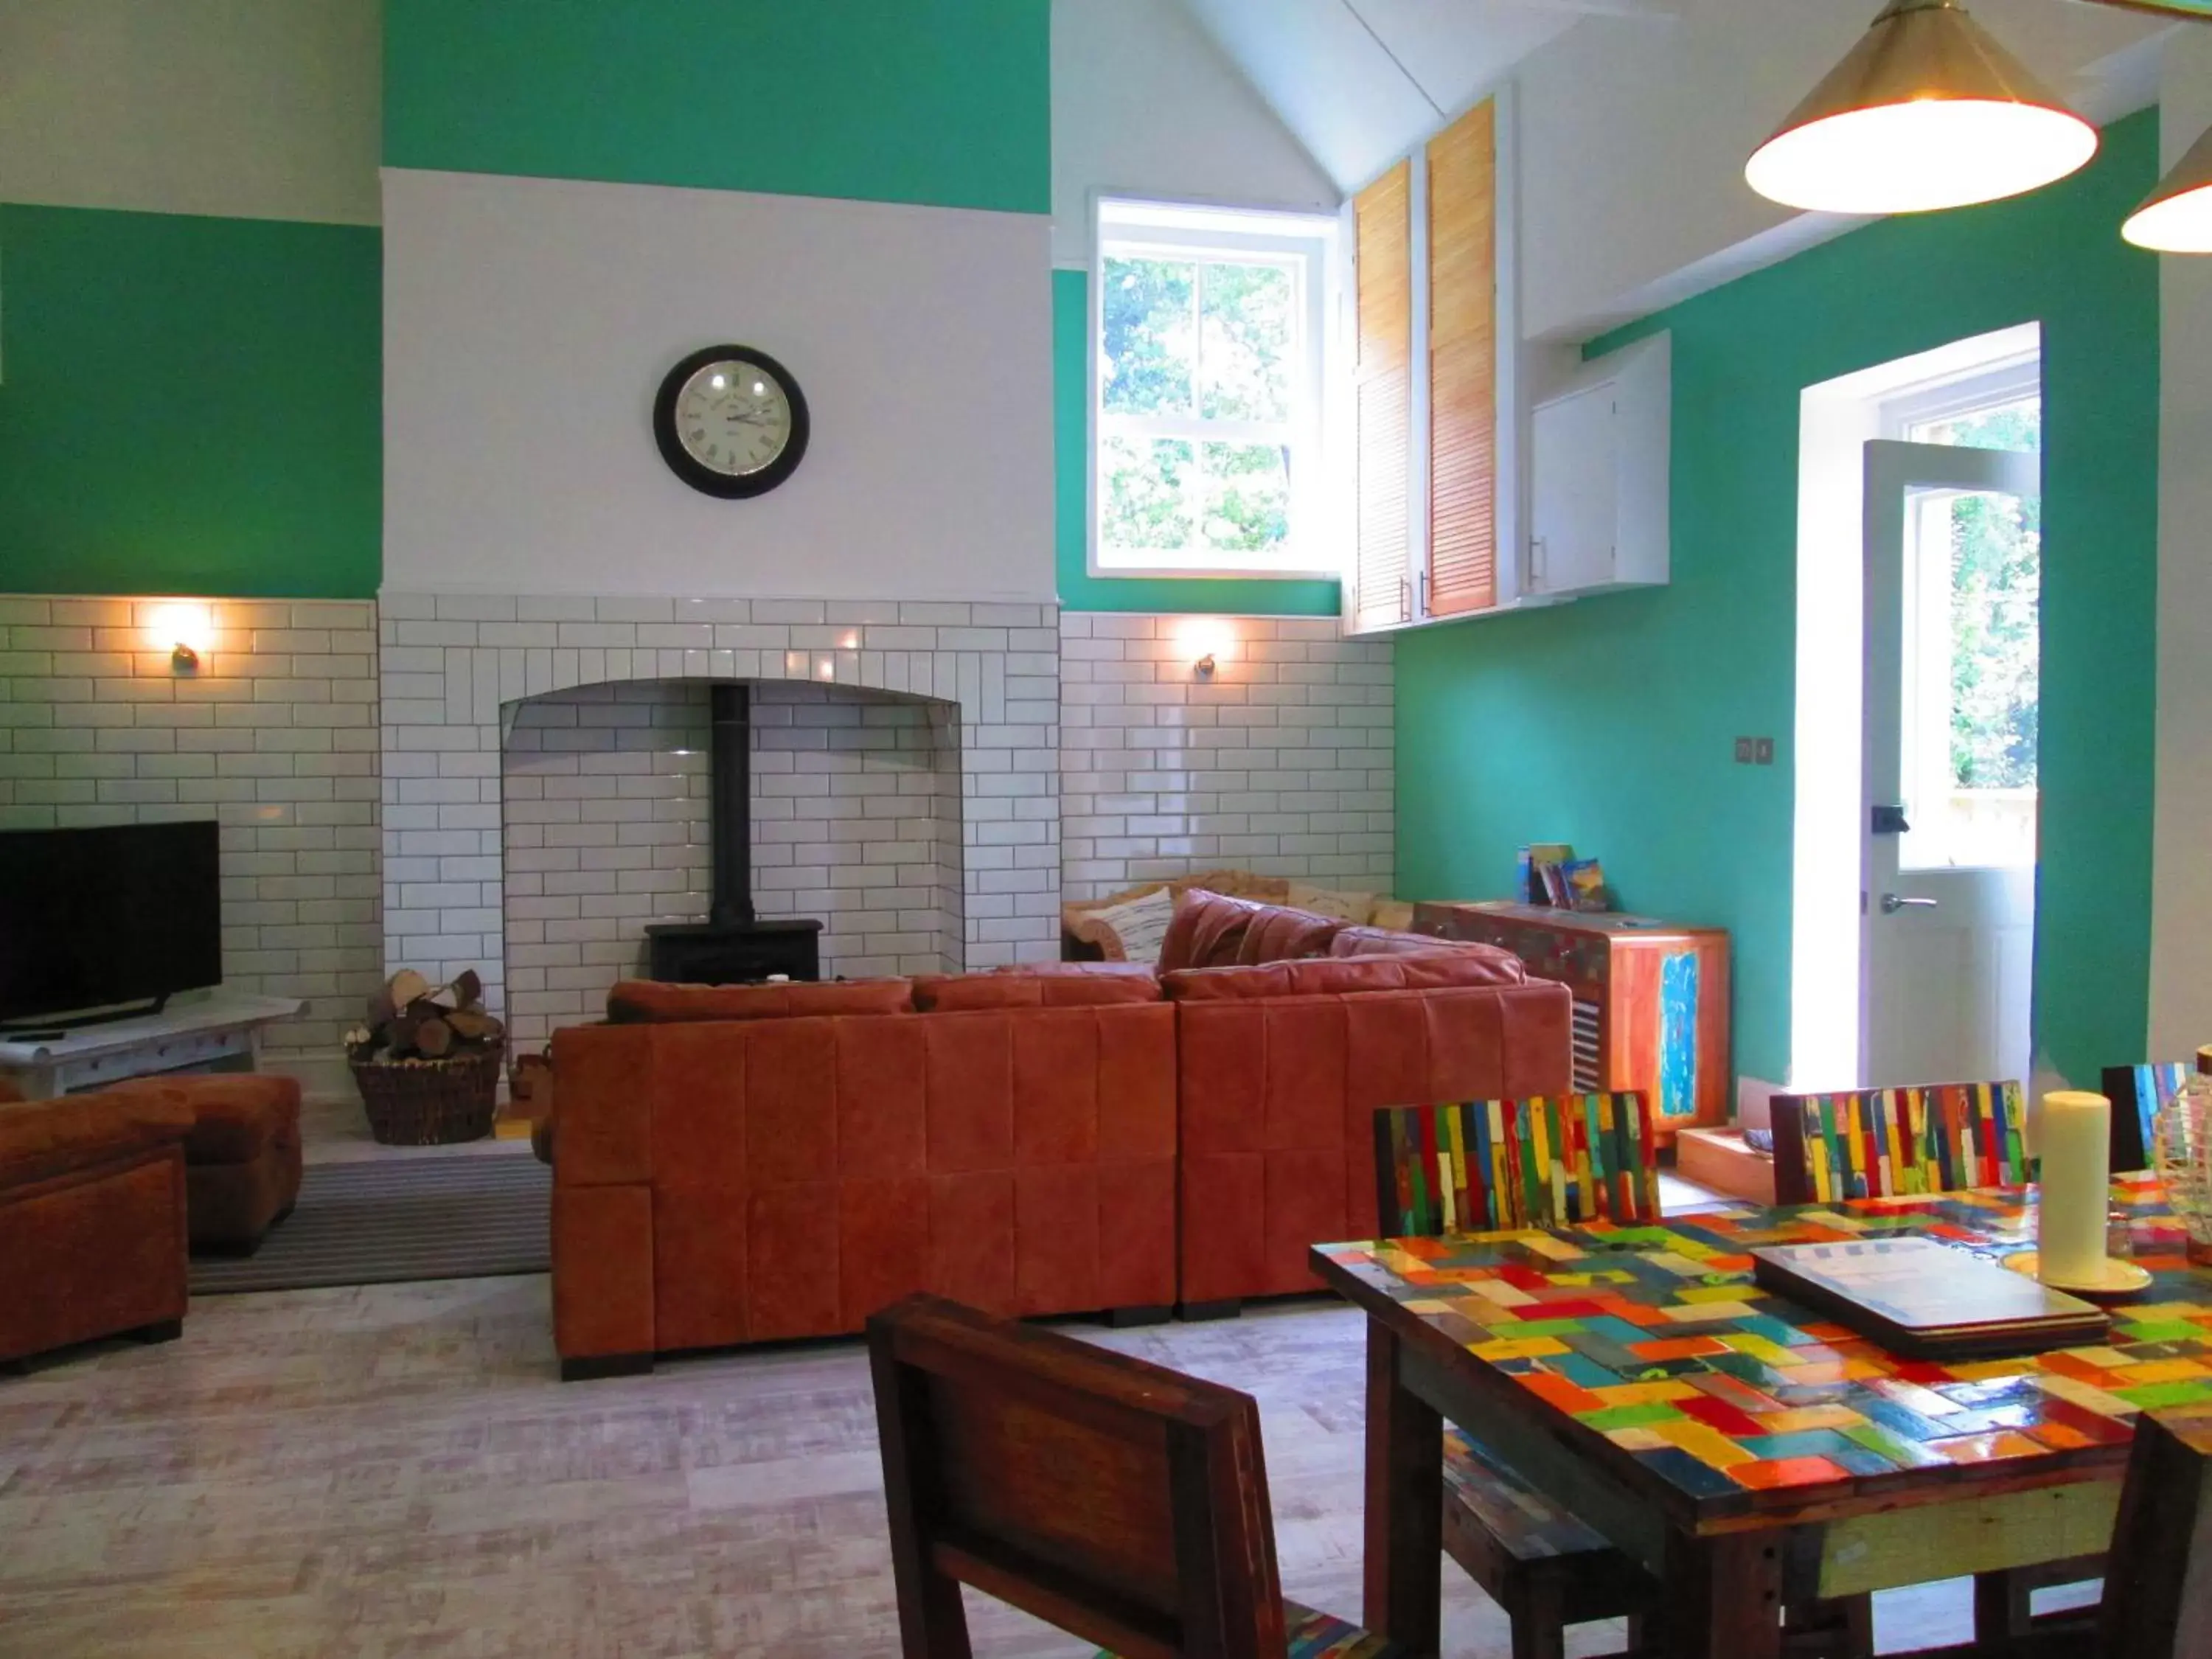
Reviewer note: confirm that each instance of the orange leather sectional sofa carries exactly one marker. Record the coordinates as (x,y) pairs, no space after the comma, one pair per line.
(745,1163)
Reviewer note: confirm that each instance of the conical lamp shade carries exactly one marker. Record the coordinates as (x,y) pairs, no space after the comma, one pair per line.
(1927,111)
(2177,217)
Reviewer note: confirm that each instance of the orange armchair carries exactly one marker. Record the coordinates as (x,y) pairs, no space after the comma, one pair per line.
(92,1219)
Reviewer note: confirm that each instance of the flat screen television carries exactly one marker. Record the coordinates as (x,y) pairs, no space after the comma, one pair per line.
(96,919)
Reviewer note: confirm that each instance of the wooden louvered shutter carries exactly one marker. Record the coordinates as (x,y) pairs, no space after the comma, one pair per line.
(1382,231)
(1464,365)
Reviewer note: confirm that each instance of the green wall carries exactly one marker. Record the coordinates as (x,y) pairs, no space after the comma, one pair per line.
(1078,589)
(1609,723)
(944,102)
(189,405)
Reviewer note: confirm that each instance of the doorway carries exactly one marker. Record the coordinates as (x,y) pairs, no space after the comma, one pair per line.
(1952,680)
(1918,654)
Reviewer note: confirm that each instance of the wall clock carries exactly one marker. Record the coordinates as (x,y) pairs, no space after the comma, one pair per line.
(731,421)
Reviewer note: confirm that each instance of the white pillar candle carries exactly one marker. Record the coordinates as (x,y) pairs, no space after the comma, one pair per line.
(2077,1180)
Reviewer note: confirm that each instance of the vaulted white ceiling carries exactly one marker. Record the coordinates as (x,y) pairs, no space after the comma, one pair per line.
(1360,82)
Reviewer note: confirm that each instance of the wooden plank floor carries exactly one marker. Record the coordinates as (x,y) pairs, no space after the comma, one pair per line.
(394,1470)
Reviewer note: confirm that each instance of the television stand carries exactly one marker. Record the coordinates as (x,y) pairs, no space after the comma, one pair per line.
(219,1032)
(45,1030)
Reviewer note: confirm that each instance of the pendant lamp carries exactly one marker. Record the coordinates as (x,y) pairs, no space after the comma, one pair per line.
(2176,216)
(1927,111)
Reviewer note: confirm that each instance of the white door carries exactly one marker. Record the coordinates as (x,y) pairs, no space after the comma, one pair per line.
(1952,633)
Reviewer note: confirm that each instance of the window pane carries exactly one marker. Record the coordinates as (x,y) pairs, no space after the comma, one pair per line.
(1146,501)
(1150,348)
(2008,426)
(1247,336)
(1974,717)
(1248,496)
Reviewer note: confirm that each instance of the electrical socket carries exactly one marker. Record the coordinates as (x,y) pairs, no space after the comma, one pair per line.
(1762,751)
(1743,750)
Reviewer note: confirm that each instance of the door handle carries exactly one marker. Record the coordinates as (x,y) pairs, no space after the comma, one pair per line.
(1893,903)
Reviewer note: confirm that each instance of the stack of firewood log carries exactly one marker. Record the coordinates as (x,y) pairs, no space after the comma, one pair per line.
(410,1019)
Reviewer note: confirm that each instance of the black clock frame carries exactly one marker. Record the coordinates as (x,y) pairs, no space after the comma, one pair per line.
(705,479)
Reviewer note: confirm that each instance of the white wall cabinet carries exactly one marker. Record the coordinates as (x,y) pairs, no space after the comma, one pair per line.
(1598,478)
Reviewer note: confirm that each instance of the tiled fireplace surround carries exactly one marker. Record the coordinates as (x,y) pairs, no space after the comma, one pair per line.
(458,672)
(377,767)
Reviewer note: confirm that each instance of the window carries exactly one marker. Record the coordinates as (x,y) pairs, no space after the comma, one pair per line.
(1996,406)
(1210,331)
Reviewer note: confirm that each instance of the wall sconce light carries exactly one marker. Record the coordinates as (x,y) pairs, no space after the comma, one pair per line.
(1206,640)
(185,631)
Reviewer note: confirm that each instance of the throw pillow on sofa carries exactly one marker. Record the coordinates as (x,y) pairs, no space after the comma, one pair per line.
(1328,902)
(1212,931)
(1132,931)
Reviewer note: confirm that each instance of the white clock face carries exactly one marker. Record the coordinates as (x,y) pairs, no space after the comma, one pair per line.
(733,416)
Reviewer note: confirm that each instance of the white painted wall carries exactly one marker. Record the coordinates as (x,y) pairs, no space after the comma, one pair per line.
(1361,81)
(528,322)
(251,109)
(2181,916)
(1634,133)
(1145,104)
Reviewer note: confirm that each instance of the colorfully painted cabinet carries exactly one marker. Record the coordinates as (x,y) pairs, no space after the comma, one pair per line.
(1652,998)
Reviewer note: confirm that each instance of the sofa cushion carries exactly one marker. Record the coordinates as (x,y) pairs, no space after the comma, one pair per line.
(40,1138)
(1340,976)
(646,1001)
(1227,984)
(1212,931)
(1075,969)
(1506,968)
(949,994)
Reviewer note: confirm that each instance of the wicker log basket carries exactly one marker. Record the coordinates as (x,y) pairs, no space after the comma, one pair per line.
(430,1103)
(428,1062)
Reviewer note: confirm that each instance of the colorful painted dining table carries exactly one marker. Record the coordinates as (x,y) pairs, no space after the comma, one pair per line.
(1747,1451)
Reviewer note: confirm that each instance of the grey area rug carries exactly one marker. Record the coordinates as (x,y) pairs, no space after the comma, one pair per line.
(374,1223)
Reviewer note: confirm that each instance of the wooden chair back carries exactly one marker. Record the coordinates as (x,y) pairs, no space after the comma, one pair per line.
(1892,1143)
(2138,1094)
(1489,1165)
(1120,1501)
(2158,1580)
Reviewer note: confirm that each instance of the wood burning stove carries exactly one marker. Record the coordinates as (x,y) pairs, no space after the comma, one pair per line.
(734,945)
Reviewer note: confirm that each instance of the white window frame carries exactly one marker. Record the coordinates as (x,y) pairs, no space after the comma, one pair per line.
(1304,243)
(1989,386)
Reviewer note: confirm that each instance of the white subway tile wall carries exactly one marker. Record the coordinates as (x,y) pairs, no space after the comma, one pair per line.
(274,735)
(855,822)
(1283,763)
(457,668)
(1025,752)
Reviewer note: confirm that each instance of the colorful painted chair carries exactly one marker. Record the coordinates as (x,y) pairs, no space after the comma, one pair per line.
(2158,1588)
(1487,1166)
(2138,1094)
(1896,1143)
(1904,1142)
(1117,1500)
